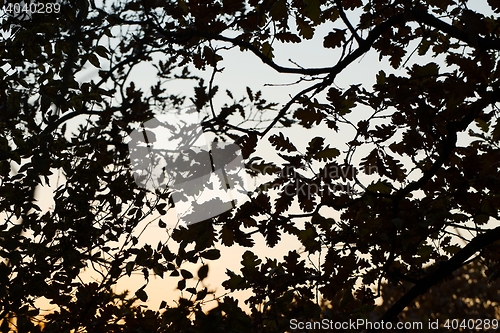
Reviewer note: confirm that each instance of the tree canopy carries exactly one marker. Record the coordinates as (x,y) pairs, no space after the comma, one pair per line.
(408,197)
(464,295)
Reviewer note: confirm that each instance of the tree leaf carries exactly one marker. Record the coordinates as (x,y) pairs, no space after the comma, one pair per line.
(287,37)
(94,60)
(267,50)
(334,39)
(203,272)
(313,10)
(142,295)
(305,28)
(181,285)
(308,116)
(186,274)
(494,5)
(101,51)
(129,267)
(282,143)
(314,146)
(211,254)
(264,168)
(326,154)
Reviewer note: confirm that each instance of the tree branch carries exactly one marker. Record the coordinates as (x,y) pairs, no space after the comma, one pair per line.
(344,18)
(443,270)
(265,59)
(471,39)
(342,64)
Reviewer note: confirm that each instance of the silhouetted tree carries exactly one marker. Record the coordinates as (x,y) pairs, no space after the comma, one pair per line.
(420,155)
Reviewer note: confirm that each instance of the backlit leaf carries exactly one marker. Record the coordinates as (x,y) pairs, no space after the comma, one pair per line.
(334,39)
(282,143)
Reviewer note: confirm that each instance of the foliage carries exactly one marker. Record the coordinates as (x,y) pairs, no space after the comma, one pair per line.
(466,294)
(422,161)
